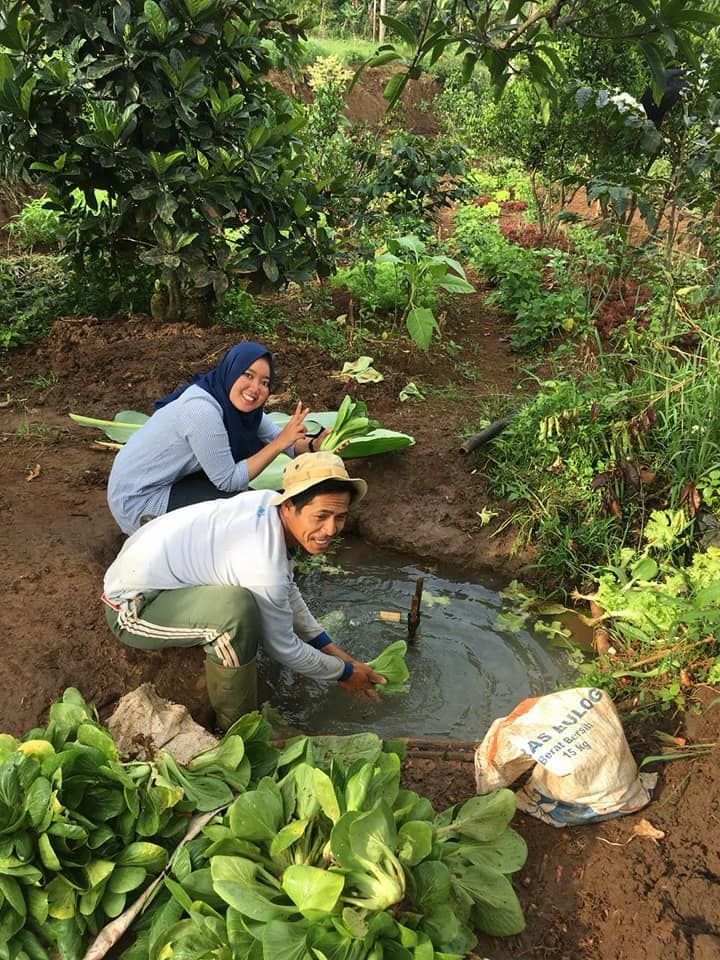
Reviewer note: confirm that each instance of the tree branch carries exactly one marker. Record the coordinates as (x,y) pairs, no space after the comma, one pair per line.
(550,15)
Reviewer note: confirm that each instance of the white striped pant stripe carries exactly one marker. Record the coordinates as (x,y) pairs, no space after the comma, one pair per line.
(208,636)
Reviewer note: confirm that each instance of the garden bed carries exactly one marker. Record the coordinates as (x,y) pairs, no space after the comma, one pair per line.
(593,892)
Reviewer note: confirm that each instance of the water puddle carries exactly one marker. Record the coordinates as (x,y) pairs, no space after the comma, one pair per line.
(465,668)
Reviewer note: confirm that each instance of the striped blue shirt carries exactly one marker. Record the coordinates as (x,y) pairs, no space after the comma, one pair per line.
(181,438)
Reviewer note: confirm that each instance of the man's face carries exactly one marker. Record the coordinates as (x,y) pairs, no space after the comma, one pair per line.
(314,526)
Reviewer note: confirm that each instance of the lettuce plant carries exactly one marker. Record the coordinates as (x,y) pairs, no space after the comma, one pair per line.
(339,861)
(391,665)
(351,422)
(83,831)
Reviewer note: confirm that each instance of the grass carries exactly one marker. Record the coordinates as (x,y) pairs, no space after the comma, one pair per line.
(450,392)
(348,51)
(42,382)
(33,431)
(494,406)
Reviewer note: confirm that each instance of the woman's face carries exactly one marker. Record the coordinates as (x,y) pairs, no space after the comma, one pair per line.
(252,387)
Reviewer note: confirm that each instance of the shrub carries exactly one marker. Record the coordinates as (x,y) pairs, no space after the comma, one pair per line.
(545,291)
(413,177)
(33,292)
(199,158)
(240,310)
(381,287)
(460,107)
(37,225)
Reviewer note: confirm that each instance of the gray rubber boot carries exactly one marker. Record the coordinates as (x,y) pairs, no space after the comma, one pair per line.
(232,690)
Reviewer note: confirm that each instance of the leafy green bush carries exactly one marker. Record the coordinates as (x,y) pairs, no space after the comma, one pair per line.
(585,462)
(380,287)
(537,311)
(36,225)
(36,289)
(419,267)
(544,463)
(327,146)
(240,310)
(460,107)
(199,159)
(663,618)
(412,176)
(479,242)
(407,279)
(101,287)
(501,181)
(544,291)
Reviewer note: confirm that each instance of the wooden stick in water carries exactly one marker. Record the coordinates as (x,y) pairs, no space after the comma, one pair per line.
(414,614)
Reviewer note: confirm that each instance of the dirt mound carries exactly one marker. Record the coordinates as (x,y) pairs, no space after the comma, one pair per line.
(366,104)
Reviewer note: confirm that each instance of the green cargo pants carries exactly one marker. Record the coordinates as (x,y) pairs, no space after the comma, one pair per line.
(223,620)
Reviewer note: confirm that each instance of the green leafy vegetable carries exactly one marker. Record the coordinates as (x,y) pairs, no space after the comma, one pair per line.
(321,851)
(359,441)
(340,857)
(352,421)
(391,665)
(82,831)
(120,429)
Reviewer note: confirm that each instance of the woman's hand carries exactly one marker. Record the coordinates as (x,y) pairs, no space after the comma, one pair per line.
(315,443)
(294,429)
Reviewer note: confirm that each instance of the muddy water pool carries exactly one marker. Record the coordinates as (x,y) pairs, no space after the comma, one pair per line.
(467,666)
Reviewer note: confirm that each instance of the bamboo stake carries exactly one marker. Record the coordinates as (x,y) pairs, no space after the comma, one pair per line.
(601,635)
(111,932)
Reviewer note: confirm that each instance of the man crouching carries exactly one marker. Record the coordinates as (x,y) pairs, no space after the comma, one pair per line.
(220,574)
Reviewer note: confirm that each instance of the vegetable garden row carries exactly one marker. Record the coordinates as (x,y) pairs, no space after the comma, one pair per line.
(312,848)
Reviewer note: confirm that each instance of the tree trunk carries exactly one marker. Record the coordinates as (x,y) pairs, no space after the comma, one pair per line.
(174,306)
(381,25)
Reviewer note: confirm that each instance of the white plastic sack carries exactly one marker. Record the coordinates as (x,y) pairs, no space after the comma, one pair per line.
(583,768)
(144,722)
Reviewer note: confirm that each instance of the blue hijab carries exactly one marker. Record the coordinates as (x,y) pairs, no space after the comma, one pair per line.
(242,428)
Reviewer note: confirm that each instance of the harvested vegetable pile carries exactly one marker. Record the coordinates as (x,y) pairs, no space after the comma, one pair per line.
(339,862)
(321,853)
(81,830)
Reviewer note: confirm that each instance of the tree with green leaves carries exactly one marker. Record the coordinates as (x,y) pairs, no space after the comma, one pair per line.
(156,133)
(518,36)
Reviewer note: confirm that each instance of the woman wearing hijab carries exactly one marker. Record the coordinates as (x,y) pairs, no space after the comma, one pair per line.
(206,440)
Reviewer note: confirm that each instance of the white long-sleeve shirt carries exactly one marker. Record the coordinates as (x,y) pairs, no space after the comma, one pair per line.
(238,542)
(183,437)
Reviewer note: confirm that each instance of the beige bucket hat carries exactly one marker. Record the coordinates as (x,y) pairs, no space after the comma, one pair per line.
(309,469)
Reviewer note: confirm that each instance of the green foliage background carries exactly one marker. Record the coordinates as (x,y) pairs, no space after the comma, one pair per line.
(158,136)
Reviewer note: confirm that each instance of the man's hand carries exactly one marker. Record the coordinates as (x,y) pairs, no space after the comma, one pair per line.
(361,681)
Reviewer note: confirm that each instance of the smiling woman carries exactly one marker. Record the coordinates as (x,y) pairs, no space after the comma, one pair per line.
(206,440)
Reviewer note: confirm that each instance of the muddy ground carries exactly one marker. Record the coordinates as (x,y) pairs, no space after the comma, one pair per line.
(591,893)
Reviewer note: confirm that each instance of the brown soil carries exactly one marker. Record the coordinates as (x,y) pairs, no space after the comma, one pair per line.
(591,893)
(60,537)
(365,103)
